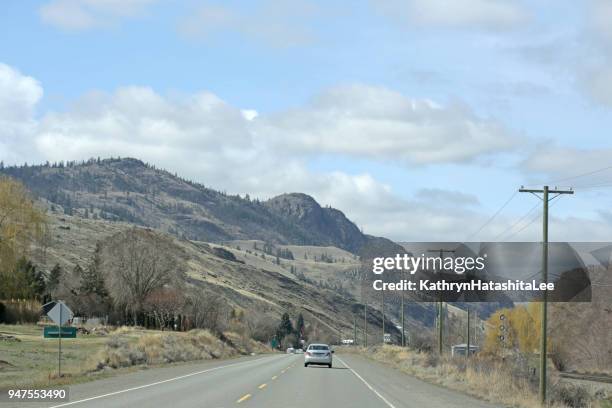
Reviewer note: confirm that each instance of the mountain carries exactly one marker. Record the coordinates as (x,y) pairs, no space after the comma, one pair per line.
(327,225)
(132,191)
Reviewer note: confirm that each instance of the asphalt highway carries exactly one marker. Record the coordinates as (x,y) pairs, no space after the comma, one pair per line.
(270,381)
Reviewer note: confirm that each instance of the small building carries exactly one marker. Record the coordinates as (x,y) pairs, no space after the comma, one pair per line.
(460,349)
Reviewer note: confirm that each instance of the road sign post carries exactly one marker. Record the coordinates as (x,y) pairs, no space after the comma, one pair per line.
(60,314)
(59,349)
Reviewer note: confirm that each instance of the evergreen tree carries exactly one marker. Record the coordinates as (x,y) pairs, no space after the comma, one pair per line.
(92,281)
(36,280)
(299,326)
(77,275)
(285,327)
(54,278)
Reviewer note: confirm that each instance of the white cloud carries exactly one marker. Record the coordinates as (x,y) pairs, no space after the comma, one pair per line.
(273,23)
(557,163)
(249,114)
(600,16)
(138,122)
(439,197)
(480,14)
(381,124)
(595,75)
(597,82)
(19,95)
(88,14)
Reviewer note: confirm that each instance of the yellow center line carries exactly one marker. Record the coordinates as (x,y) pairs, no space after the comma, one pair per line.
(275,377)
(244,398)
(262,386)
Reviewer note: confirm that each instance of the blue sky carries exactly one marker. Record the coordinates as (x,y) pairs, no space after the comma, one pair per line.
(417,118)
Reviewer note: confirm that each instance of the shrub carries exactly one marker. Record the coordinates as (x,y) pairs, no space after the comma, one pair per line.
(162,348)
(571,395)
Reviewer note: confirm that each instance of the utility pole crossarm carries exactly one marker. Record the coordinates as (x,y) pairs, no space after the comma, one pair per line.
(540,191)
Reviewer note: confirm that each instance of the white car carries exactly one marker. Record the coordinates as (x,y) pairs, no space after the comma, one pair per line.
(290,350)
(320,354)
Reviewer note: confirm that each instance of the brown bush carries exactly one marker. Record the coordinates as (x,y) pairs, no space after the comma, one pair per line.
(570,395)
(159,348)
(504,381)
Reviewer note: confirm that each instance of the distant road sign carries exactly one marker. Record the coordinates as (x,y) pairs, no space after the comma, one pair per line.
(60,314)
(52,332)
(387,338)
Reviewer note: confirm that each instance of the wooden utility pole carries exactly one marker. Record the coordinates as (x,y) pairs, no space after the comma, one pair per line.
(365,324)
(544,315)
(354,329)
(468,334)
(59,340)
(403,317)
(441,251)
(382,294)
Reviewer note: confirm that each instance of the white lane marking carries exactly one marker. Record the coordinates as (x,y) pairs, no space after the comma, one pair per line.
(378,394)
(157,383)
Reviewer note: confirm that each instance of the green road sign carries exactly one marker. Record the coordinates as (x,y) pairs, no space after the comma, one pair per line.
(52,332)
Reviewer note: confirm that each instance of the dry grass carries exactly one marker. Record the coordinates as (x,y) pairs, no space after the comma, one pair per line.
(170,347)
(245,344)
(483,377)
(32,361)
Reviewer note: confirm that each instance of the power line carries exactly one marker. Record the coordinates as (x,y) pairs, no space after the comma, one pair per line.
(520,220)
(537,217)
(589,173)
(600,185)
(533,220)
(487,222)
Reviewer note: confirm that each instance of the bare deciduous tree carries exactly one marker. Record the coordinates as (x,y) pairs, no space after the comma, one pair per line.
(261,328)
(164,304)
(206,310)
(136,263)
